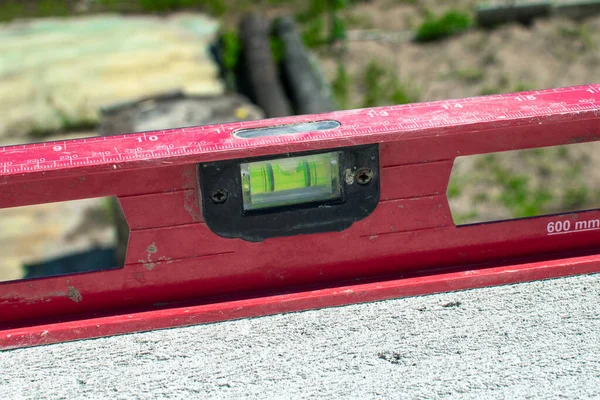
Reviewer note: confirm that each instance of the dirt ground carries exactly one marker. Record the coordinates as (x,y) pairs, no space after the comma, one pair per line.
(552,52)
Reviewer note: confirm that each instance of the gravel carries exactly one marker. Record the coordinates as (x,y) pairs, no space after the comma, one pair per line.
(533,340)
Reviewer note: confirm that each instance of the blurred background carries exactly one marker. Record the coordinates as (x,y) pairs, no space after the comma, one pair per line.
(80,68)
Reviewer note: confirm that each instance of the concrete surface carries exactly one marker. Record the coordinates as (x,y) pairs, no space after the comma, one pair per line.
(536,340)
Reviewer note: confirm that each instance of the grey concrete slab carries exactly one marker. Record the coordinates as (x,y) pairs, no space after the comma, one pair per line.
(534,340)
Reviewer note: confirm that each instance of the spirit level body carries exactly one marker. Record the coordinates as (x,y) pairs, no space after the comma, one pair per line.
(179,272)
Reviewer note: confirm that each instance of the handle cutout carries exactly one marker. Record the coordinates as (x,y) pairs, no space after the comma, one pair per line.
(62,238)
(525,183)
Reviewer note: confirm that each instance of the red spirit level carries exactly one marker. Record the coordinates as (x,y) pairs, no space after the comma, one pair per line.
(288,214)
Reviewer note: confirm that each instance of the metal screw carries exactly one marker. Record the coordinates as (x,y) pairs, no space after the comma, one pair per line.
(364,176)
(219,196)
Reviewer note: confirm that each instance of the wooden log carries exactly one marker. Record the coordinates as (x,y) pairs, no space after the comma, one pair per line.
(264,86)
(307,89)
(488,17)
(577,10)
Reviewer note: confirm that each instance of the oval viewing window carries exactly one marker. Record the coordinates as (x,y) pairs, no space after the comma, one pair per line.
(282,130)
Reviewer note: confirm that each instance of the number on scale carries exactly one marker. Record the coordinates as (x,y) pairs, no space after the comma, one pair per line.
(375,113)
(152,138)
(522,98)
(449,106)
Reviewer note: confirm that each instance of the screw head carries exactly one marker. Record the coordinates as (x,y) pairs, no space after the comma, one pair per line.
(364,176)
(219,196)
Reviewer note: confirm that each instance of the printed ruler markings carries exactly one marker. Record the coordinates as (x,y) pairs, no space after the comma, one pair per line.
(524,112)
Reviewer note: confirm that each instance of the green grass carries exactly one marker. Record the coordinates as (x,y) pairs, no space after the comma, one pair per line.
(313,33)
(322,23)
(78,124)
(231,47)
(382,87)
(341,88)
(465,218)
(454,189)
(11,10)
(490,58)
(67,124)
(401,94)
(521,86)
(489,90)
(53,8)
(374,77)
(214,7)
(576,198)
(44,8)
(470,75)
(338,30)
(314,9)
(581,33)
(481,198)
(520,198)
(277,49)
(449,24)
(562,152)
(360,21)
(518,195)
(109,208)
(505,86)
